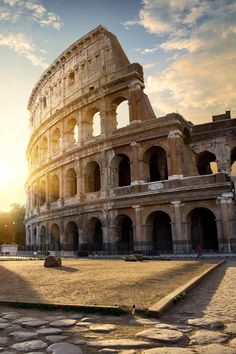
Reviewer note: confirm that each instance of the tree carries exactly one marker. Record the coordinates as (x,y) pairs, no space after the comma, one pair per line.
(17,216)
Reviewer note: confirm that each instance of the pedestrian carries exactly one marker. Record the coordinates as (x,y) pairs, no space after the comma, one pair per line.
(199,252)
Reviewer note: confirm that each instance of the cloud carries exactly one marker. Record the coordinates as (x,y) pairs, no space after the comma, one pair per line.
(21,44)
(31,10)
(197,45)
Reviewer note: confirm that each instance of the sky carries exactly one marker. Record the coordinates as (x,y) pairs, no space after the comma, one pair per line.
(187,49)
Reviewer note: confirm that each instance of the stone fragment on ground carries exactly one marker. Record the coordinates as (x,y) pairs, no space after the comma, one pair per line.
(23,336)
(63,323)
(215,349)
(29,346)
(181,328)
(207,337)
(143,321)
(170,350)
(120,344)
(102,328)
(83,324)
(162,335)
(64,348)
(232,343)
(4,325)
(11,316)
(206,323)
(25,319)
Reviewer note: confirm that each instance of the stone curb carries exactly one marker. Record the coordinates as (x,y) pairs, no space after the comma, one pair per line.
(105,310)
(165,303)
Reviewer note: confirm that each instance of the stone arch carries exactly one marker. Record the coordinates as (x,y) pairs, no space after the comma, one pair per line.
(42,193)
(93,122)
(54,188)
(155,164)
(71,237)
(71,132)
(159,224)
(203,230)
(34,236)
(121,107)
(96,124)
(120,170)
(124,237)
(95,234)
(93,175)
(70,183)
(44,149)
(205,162)
(56,140)
(233,162)
(55,238)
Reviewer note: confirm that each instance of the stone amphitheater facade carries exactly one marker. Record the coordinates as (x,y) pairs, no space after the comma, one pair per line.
(156,185)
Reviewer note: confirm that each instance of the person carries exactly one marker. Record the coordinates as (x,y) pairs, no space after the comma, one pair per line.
(199,251)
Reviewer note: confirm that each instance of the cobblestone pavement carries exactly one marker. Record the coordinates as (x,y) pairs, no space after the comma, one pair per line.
(204,322)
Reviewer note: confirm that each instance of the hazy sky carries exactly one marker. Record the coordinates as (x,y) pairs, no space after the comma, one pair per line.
(187,48)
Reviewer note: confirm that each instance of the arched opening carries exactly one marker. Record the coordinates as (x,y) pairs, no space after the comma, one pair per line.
(55,238)
(206,163)
(96,124)
(233,162)
(125,242)
(42,193)
(35,196)
(54,188)
(71,79)
(72,237)
(94,179)
(96,235)
(71,183)
(124,175)
(34,237)
(157,160)
(160,228)
(71,133)
(56,140)
(203,229)
(42,236)
(122,114)
(44,149)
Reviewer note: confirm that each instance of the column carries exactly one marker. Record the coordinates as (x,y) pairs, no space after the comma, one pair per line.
(179,243)
(175,169)
(135,173)
(138,236)
(227,222)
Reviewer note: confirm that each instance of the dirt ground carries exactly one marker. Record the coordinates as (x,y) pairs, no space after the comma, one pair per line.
(95,282)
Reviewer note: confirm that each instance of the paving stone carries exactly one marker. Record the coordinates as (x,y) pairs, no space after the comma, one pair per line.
(230,328)
(14,328)
(206,323)
(3,341)
(83,324)
(3,320)
(64,348)
(109,351)
(24,319)
(78,341)
(63,323)
(102,328)
(90,319)
(120,344)
(232,343)
(11,316)
(10,352)
(34,324)
(29,345)
(49,331)
(76,316)
(143,321)
(170,350)
(23,336)
(54,318)
(131,351)
(4,325)
(207,337)
(215,349)
(35,353)
(55,338)
(162,335)
(181,328)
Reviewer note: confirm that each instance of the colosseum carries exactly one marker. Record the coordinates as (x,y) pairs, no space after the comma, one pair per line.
(107,177)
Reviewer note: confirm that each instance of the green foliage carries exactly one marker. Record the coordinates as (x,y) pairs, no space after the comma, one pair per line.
(12,228)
